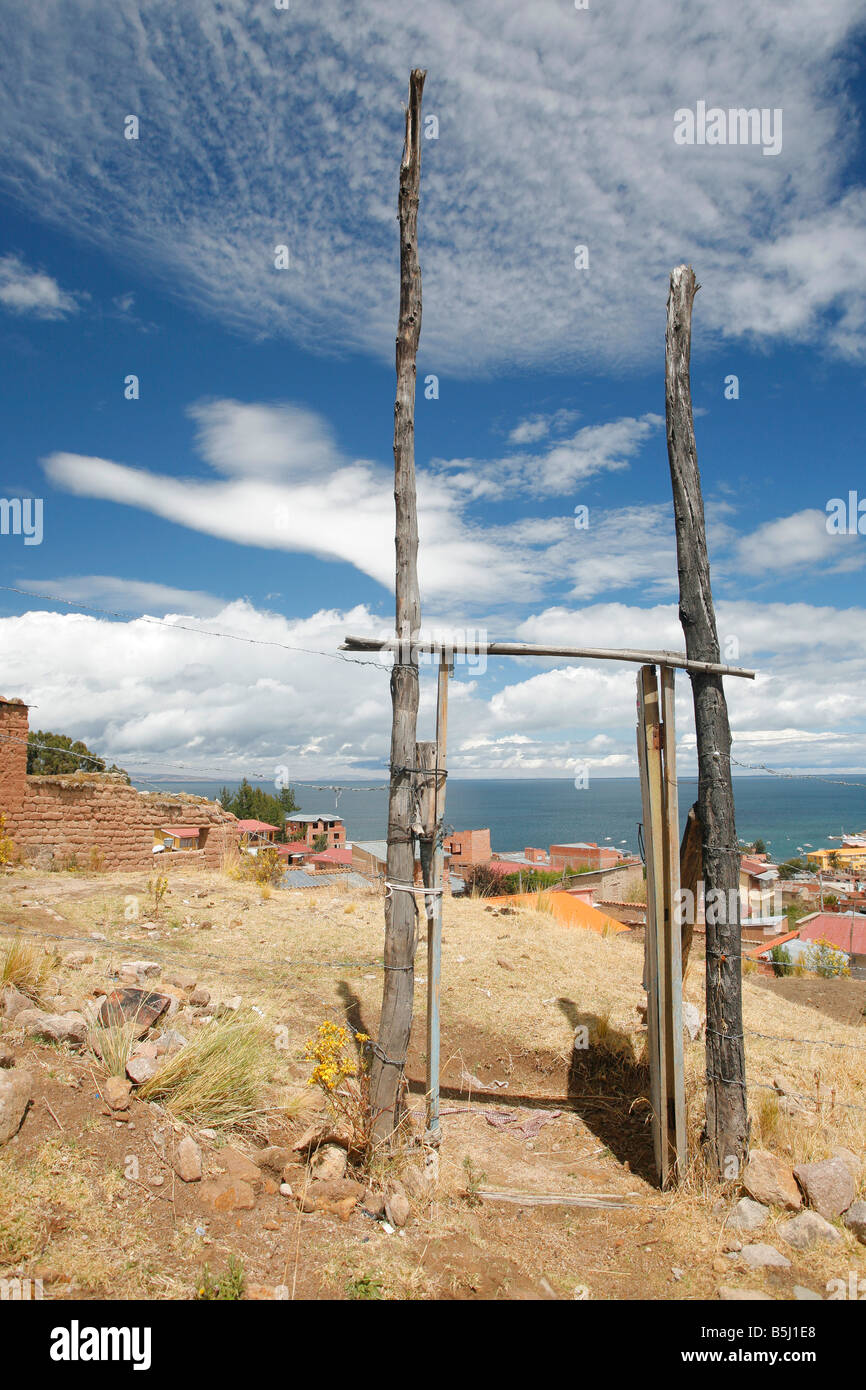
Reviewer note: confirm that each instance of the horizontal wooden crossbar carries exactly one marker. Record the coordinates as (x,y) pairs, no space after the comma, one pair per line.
(676,659)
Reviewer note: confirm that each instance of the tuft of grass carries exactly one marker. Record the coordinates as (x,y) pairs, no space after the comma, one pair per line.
(364,1286)
(113,1042)
(217,1078)
(227,1288)
(26,966)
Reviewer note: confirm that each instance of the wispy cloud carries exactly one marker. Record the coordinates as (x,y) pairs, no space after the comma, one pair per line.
(555,129)
(32,293)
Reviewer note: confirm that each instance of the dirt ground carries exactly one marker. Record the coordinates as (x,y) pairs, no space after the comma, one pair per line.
(90,1203)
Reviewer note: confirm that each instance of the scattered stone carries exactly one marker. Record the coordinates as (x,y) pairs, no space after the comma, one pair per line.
(209,1134)
(200,997)
(764,1257)
(115,1092)
(67,1004)
(187,1160)
(7,1056)
(770,1181)
(336,1198)
(503,963)
(329,1163)
(691,1021)
(729,1295)
(66,1028)
(397,1208)
(807,1229)
(239,1167)
(182,979)
(373,1203)
(731,1245)
(136,1006)
(169,1041)
(13,1002)
(852,1163)
(855,1220)
(141,969)
(140,1069)
(677,1273)
(77,959)
(748,1215)
(804,1295)
(228,1194)
(720,1265)
(828,1185)
(285,1189)
(145,1049)
(273,1158)
(790,1105)
(16,1093)
(227,1006)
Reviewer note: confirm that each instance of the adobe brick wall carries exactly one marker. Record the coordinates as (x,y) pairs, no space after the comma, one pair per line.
(51,818)
(469,847)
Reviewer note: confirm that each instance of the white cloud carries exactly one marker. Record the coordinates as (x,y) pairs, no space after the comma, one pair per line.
(127,595)
(798,542)
(31,292)
(556,128)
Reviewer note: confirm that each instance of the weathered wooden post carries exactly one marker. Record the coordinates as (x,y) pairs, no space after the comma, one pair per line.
(389,1052)
(727,1127)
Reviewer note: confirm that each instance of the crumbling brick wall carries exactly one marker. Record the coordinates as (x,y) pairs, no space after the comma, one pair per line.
(53,818)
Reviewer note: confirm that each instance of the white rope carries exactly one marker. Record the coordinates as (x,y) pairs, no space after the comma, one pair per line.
(409,888)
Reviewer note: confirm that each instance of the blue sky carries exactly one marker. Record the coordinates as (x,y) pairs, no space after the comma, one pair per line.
(248,489)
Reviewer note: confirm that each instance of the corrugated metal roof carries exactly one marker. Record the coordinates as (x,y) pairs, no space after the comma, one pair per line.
(299,878)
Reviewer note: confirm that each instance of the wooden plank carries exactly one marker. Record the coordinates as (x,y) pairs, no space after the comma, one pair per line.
(672,935)
(679,660)
(651,828)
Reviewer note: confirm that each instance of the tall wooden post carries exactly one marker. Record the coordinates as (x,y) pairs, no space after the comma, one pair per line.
(389,1053)
(727,1126)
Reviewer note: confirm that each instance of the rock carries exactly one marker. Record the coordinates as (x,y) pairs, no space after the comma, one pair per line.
(239,1167)
(764,1257)
(397,1209)
(335,1198)
(200,997)
(209,1134)
(182,979)
(16,1093)
(115,1092)
(141,1069)
(66,1028)
(807,1229)
(138,1007)
(373,1203)
(145,1049)
(789,1105)
(329,1163)
(228,1194)
(748,1215)
(729,1295)
(142,969)
(187,1160)
(273,1158)
(169,1041)
(855,1220)
(769,1180)
(828,1185)
(852,1163)
(7,1056)
(804,1295)
(691,1021)
(720,1265)
(227,1006)
(77,959)
(12,1002)
(785,1087)
(285,1189)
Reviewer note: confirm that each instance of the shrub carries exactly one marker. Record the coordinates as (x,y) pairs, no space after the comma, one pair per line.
(217,1078)
(7,847)
(823,958)
(780,959)
(26,966)
(229,1286)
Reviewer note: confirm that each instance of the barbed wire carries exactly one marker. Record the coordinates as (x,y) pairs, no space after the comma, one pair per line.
(182,627)
(794,776)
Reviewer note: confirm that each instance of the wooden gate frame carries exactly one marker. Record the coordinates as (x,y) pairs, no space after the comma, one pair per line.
(656,740)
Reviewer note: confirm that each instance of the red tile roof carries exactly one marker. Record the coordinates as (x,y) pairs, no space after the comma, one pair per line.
(182,832)
(333,856)
(844,931)
(253,827)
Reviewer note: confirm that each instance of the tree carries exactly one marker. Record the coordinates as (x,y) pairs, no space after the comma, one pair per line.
(759,847)
(53,754)
(320,844)
(252,803)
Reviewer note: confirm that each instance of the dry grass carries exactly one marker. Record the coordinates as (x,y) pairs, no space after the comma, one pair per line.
(26,965)
(217,1079)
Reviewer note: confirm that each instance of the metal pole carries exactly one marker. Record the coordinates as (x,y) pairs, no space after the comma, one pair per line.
(434,928)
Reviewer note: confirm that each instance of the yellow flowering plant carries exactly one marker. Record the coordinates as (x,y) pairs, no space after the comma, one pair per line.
(341,1072)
